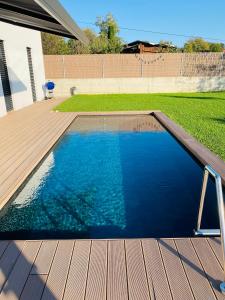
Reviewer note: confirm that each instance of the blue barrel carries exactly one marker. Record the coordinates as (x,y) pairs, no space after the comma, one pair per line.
(50,85)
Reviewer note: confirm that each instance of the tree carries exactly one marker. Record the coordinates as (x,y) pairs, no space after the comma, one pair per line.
(100,45)
(108,35)
(196,45)
(216,47)
(200,45)
(77,47)
(107,41)
(53,44)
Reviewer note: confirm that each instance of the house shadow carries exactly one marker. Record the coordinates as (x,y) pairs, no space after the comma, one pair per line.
(19,278)
(16,85)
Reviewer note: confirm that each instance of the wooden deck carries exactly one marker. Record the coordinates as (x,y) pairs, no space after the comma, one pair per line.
(178,269)
(25,137)
(173,269)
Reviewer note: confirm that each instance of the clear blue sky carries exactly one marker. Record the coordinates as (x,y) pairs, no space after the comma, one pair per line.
(190,17)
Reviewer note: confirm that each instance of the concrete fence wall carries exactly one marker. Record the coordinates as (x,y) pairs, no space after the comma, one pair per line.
(138,85)
(135,73)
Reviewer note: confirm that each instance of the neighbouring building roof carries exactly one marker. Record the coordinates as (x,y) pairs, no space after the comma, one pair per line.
(144,46)
(42,15)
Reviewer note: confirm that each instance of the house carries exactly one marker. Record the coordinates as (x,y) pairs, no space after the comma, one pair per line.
(146,47)
(21,59)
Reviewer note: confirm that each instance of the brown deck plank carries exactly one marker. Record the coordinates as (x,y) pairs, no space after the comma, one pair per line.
(3,246)
(177,278)
(34,130)
(117,277)
(210,264)
(34,287)
(44,258)
(25,140)
(77,277)
(8,260)
(117,269)
(56,281)
(155,270)
(20,144)
(97,273)
(199,284)
(37,142)
(17,278)
(25,168)
(215,244)
(137,278)
(22,133)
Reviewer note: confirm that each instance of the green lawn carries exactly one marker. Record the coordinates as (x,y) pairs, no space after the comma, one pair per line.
(200,114)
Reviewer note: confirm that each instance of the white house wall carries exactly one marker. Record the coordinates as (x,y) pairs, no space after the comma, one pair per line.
(16,40)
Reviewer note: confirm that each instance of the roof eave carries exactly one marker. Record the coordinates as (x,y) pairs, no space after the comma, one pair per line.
(55,9)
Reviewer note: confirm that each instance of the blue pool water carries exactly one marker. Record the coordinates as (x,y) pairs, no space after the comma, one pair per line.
(111,177)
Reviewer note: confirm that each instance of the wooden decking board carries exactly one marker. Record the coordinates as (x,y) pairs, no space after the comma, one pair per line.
(22,171)
(77,277)
(44,258)
(176,269)
(196,275)
(210,264)
(167,269)
(34,287)
(22,152)
(97,273)
(155,270)
(40,143)
(18,276)
(9,259)
(31,116)
(25,119)
(178,281)
(215,244)
(136,275)
(116,278)
(3,246)
(22,127)
(22,133)
(37,141)
(26,136)
(22,139)
(57,277)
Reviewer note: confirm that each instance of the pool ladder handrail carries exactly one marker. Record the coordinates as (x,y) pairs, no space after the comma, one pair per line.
(220,204)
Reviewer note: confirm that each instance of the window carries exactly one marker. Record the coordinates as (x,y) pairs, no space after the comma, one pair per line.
(5,78)
(31,70)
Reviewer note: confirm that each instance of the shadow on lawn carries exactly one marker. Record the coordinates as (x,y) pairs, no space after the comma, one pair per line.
(194,97)
(219,120)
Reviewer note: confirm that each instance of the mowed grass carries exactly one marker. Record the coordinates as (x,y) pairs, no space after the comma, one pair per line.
(200,114)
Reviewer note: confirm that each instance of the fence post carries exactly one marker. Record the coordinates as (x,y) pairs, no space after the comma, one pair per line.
(141,66)
(181,65)
(103,75)
(64,69)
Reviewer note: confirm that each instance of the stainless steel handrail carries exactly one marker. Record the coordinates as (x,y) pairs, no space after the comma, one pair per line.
(220,203)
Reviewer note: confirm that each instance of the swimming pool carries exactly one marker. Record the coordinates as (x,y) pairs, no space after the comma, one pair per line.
(111,177)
